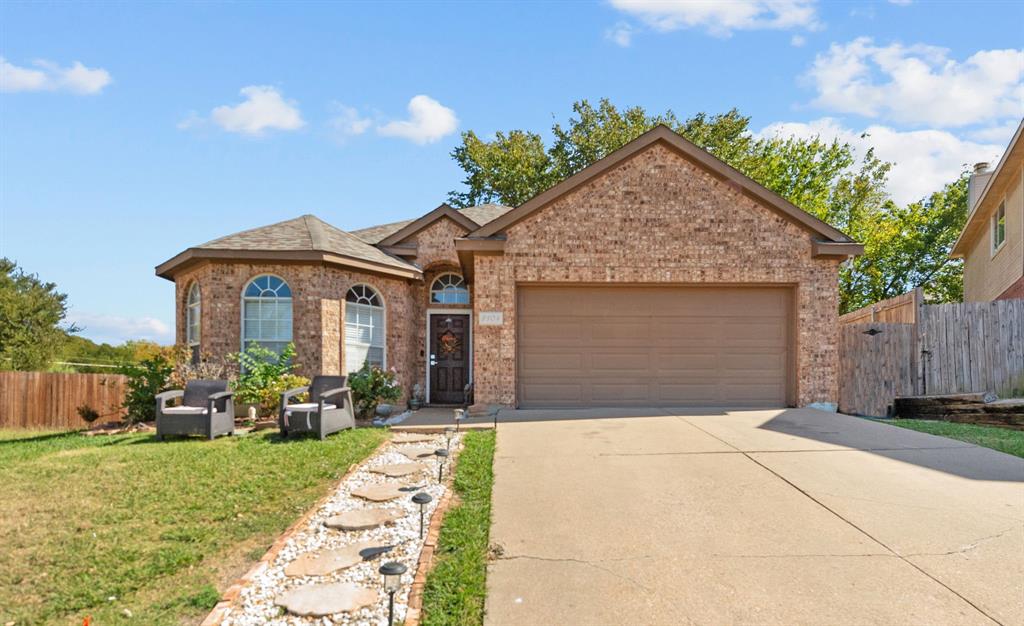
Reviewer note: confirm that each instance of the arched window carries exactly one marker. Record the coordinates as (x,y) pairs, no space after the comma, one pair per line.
(267,313)
(192,316)
(364,328)
(449,289)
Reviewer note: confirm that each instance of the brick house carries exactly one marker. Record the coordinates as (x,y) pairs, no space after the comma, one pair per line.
(656,276)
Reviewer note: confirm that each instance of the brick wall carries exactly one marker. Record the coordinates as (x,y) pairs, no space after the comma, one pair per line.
(318,294)
(657,218)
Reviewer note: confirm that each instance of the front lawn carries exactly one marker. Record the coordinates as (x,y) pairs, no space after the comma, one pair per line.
(456,587)
(130,530)
(1001,439)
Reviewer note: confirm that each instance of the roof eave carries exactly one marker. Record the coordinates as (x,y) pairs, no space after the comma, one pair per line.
(441,212)
(194,256)
(836,249)
(468,247)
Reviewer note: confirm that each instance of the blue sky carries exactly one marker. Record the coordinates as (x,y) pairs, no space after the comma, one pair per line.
(129,132)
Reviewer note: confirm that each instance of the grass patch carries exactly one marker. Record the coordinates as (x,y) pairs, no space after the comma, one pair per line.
(456,587)
(1002,439)
(97,525)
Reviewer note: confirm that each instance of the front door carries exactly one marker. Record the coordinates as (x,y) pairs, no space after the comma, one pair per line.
(449,358)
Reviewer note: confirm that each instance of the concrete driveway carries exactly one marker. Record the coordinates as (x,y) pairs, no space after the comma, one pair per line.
(757,517)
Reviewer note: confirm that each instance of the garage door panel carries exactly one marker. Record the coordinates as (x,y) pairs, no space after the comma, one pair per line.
(669,346)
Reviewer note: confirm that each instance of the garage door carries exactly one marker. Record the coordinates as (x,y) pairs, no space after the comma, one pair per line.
(653,346)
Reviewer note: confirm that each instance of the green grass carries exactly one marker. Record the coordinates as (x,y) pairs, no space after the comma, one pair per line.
(109,526)
(1001,439)
(456,587)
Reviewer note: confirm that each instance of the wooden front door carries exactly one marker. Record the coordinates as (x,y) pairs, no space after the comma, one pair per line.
(449,358)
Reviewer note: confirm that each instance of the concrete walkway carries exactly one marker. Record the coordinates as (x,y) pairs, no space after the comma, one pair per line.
(755,517)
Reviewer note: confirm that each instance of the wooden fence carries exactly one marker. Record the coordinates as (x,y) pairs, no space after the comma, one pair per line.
(945,349)
(46,400)
(900,309)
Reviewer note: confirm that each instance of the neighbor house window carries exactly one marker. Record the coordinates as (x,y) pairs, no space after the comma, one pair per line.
(364,328)
(449,289)
(999,227)
(192,316)
(267,313)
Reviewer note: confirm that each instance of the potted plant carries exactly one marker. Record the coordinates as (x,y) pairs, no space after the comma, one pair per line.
(372,386)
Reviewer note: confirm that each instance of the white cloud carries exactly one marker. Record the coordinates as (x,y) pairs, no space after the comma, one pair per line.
(919,84)
(48,76)
(721,18)
(797,41)
(621,34)
(1000,134)
(263,109)
(428,122)
(348,122)
(924,160)
(115,329)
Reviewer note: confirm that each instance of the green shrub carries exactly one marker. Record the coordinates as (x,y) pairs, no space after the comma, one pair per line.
(88,413)
(146,378)
(371,386)
(264,375)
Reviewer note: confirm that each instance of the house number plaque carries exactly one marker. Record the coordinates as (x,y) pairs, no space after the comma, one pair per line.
(491,318)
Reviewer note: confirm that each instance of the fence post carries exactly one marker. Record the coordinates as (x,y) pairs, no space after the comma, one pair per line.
(917,359)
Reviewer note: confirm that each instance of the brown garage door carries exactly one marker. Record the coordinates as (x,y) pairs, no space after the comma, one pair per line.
(653,346)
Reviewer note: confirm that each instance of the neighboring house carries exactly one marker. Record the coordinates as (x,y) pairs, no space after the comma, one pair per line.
(992,242)
(656,276)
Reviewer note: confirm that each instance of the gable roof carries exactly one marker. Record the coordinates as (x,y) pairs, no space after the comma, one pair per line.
(664,135)
(977,218)
(305,238)
(480,215)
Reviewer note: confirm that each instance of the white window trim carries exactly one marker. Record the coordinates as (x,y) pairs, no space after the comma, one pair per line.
(241,310)
(992,229)
(384,331)
(426,349)
(432,291)
(189,306)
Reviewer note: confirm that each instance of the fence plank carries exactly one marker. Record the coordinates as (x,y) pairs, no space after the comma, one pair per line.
(876,368)
(47,400)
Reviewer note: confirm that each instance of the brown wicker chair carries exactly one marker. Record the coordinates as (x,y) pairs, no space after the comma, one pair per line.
(207,408)
(328,409)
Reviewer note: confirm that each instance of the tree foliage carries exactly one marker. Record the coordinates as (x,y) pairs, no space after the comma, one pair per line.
(31,316)
(905,247)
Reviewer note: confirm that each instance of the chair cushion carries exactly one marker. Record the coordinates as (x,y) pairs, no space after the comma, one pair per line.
(186,410)
(307,406)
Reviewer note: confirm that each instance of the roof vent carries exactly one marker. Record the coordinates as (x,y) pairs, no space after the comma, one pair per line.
(981,168)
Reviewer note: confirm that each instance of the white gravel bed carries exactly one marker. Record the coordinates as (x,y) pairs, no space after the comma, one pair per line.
(255,604)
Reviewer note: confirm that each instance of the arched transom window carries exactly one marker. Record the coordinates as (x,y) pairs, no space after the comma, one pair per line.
(449,289)
(364,328)
(267,313)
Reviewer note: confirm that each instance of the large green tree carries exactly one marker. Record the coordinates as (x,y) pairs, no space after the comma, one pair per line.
(31,316)
(905,247)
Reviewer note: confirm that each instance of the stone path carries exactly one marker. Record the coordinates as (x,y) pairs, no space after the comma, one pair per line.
(325,572)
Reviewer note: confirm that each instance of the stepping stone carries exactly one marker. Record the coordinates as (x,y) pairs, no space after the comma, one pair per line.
(364,519)
(323,600)
(412,438)
(380,492)
(417,452)
(327,561)
(396,470)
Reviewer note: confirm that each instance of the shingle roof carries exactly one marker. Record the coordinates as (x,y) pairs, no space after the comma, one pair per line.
(307,232)
(481,214)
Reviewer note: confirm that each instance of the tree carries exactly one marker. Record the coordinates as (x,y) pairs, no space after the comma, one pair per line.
(31,312)
(904,247)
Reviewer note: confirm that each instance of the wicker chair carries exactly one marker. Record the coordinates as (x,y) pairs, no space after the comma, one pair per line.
(207,408)
(328,409)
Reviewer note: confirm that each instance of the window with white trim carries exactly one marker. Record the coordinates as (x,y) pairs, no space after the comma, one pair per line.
(449,289)
(267,313)
(999,227)
(192,316)
(364,328)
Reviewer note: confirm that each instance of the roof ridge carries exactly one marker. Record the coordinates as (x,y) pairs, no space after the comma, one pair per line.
(317,238)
